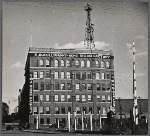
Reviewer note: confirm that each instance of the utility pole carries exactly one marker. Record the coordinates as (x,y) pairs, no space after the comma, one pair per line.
(140,105)
(135,107)
(120,107)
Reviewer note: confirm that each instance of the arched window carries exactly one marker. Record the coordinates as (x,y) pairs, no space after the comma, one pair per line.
(62,63)
(68,63)
(82,63)
(47,63)
(76,63)
(102,64)
(41,62)
(97,63)
(107,64)
(88,63)
(56,63)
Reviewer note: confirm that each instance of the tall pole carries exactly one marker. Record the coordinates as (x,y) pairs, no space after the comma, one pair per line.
(140,105)
(89,38)
(100,121)
(82,122)
(91,124)
(69,121)
(120,112)
(135,107)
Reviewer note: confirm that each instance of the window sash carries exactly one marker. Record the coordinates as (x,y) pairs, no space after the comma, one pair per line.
(83,98)
(56,63)
(62,86)
(68,63)
(35,74)
(68,75)
(56,98)
(56,75)
(77,86)
(63,75)
(42,74)
(47,98)
(47,62)
(62,63)
(62,98)
(77,98)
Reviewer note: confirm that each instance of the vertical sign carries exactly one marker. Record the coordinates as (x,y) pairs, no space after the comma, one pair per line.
(31,93)
(113,90)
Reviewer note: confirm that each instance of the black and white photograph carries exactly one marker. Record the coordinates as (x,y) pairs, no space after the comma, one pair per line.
(75,68)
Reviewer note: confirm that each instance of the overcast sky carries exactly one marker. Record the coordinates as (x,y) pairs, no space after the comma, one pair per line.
(116,27)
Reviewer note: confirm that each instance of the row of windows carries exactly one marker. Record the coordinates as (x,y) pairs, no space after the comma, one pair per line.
(68,86)
(67,98)
(65,110)
(77,63)
(67,75)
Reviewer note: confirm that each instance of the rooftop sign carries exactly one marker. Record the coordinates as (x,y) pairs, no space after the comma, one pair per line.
(72,55)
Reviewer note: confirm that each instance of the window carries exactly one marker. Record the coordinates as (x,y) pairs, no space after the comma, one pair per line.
(104,110)
(56,110)
(42,63)
(77,75)
(69,109)
(62,87)
(34,120)
(47,74)
(103,76)
(82,63)
(41,74)
(35,110)
(35,86)
(68,86)
(56,98)
(89,86)
(107,64)
(41,110)
(68,63)
(89,75)
(62,75)
(56,75)
(47,110)
(77,98)
(84,110)
(90,109)
(97,63)
(56,86)
(102,64)
(78,110)
(62,98)
(42,86)
(76,63)
(89,98)
(35,74)
(48,121)
(68,75)
(47,86)
(83,98)
(103,98)
(47,97)
(103,87)
(109,100)
(47,63)
(77,86)
(41,97)
(83,87)
(108,87)
(88,63)
(41,120)
(35,98)
(62,110)
(68,98)
(83,75)
(36,63)
(98,87)
(108,76)
(97,76)
(56,63)
(98,98)
(62,63)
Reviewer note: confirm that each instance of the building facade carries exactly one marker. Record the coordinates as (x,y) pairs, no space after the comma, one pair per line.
(58,81)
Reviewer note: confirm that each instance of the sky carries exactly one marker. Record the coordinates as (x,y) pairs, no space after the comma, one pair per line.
(62,25)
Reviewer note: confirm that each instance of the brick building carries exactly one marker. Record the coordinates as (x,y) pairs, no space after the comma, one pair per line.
(62,80)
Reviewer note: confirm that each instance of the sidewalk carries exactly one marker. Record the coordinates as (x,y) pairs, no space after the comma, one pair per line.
(42,131)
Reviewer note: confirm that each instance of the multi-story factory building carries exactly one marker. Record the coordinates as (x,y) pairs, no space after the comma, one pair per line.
(58,81)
